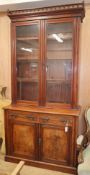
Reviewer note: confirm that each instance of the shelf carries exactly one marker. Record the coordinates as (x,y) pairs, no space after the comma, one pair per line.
(27,80)
(51,55)
(49,80)
(37,60)
(27,38)
(52,50)
(58,80)
(59,59)
(64,40)
(28,60)
(58,50)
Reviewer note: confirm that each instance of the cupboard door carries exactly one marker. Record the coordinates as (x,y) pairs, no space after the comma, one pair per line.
(27,61)
(59,61)
(23,139)
(56,144)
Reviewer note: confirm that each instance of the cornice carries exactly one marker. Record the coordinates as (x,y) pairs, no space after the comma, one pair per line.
(63,9)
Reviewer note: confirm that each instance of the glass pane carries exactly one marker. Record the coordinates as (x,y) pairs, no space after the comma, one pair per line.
(59,62)
(27,55)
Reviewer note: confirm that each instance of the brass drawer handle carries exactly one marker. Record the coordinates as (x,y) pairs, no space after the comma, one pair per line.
(45,119)
(12,116)
(63,120)
(66,121)
(31,117)
(16,116)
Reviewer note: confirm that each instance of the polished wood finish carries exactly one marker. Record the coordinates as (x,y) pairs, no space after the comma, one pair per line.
(54,148)
(22,135)
(64,10)
(42,129)
(40,135)
(73,13)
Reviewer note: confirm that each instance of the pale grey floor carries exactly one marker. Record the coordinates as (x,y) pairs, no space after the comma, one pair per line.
(7,168)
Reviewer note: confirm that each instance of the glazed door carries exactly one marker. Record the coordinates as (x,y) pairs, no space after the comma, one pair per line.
(56,144)
(23,138)
(59,64)
(27,61)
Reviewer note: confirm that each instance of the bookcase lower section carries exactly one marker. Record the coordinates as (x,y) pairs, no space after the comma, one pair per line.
(42,138)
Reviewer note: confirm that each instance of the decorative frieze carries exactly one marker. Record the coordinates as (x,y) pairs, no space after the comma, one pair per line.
(49,10)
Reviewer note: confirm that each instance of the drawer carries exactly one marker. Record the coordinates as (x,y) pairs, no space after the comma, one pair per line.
(56,119)
(41,118)
(25,116)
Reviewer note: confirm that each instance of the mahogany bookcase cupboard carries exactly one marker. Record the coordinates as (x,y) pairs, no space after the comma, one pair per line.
(41,123)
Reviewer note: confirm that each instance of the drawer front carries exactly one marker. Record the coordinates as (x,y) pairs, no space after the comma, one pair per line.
(23,116)
(56,119)
(41,118)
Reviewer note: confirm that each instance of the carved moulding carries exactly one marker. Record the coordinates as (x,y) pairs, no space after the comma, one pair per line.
(77,9)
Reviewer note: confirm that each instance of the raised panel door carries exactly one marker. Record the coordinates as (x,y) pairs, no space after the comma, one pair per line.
(56,144)
(23,139)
